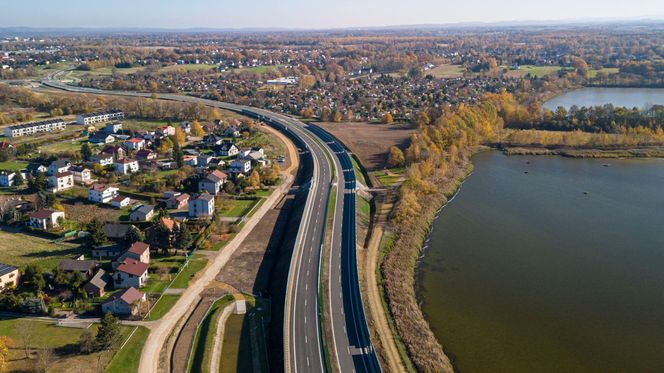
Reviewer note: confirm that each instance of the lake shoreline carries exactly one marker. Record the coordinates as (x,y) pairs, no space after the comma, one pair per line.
(581,152)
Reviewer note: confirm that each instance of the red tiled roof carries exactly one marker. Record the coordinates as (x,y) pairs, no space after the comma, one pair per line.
(169,223)
(129,296)
(133,267)
(219,174)
(119,198)
(138,248)
(135,140)
(42,214)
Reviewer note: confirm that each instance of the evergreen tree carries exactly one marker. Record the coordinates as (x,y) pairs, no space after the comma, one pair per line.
(108,334)
(97,236)
(133,235)
(86,151)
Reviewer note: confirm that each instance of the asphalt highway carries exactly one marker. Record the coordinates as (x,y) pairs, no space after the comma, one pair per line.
(332,166)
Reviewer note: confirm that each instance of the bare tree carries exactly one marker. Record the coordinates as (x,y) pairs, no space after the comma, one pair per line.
(44,359)
(25,331)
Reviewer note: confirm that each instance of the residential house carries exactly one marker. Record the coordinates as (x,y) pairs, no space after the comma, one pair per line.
(59,166)
(116,231)
(177,202)
(36,168)
(126,166)
(212,182)
(113,127)
(7,178)
(118,151)
(165,131)
(226,149)
(45,218)
(185,127)
(123,303)
(135,144)
(100,193)
(142,213)
(102,158)
(96,287)
(27,129)
(201,206)
(108,251)
(190,160)
(131,273)
(205,160)
(101,137)
(139,251)
(145,155)
(85,267)
(99,117)
(166,165)
(81,174)
(61,181)
(242,165)
(9,276)
(212,139)
(232,131)
(120,201)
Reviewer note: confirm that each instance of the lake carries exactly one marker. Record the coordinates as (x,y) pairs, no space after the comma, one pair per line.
(628,97)
(560,269)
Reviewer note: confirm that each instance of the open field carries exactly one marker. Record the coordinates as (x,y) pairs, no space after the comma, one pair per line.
(370,142)
(446,71)
(19,249)
(64,343)
(83,212)
(535,71)
(13,165)
(607,70)
(389,177)
(63,146)
(189,67)
(255,70)
(142,125)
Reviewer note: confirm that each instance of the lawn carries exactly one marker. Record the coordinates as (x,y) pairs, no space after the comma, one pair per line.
(254,70)
(189,67)
(237,207)
(142,125)
(155,285)
(13,165)
(63,146)
(446,71)
(534,71)
(607,70)
(389,177)
(127,359)
(162,306)
(204,342)
(187,273)
(64,342)
(19,249)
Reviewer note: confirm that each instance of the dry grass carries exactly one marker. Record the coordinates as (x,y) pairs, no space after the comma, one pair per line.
(19,249)
(370,142)
(398,273)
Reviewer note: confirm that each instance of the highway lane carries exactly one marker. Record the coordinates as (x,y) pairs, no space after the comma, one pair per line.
(302,345)
(351,339)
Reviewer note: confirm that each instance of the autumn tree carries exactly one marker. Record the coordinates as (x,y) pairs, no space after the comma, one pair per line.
(396,157)
(197,129)
(387,118)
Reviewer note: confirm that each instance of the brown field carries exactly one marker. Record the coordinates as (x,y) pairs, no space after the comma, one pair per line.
(370,142)
(83,212)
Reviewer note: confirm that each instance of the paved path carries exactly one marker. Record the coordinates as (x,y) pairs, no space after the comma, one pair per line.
(151,351)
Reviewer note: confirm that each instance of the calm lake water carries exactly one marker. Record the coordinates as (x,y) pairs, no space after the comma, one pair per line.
(628,97)
(557,270)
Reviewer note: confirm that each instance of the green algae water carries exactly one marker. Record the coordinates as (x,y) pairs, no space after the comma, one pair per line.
(550,264)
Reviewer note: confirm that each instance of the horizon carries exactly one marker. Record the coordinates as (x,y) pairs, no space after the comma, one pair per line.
(299,15)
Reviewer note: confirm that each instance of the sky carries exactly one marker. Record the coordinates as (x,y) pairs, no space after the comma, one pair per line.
(308,14)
